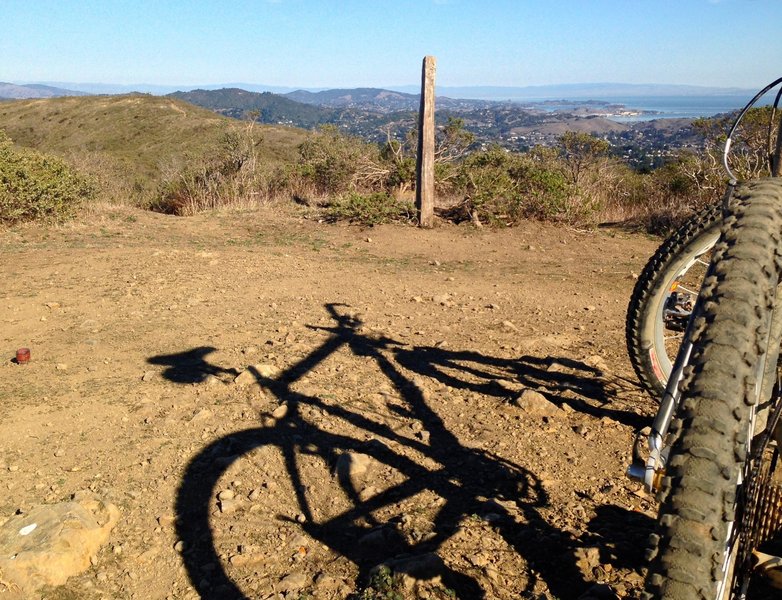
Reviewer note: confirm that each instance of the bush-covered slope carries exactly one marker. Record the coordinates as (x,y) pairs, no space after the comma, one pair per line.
(129,141)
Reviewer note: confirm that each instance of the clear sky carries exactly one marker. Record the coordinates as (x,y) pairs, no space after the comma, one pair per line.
(370,43)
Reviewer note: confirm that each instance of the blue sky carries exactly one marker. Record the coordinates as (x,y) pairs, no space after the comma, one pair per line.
(353,43)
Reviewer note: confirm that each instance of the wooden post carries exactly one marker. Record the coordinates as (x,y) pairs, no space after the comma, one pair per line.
(424,174)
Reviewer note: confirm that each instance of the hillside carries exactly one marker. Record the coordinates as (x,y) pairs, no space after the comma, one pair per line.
(359,97)
(133,138)
(272,108)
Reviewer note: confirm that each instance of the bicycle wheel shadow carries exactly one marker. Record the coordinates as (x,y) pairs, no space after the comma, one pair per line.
(468,481)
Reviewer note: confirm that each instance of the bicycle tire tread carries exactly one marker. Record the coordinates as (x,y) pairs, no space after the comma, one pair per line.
(710,433)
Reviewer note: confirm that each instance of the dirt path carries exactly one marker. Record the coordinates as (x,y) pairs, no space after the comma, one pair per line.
(278,406)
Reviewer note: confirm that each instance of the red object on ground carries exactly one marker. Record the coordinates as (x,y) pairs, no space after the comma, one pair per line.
(23,355)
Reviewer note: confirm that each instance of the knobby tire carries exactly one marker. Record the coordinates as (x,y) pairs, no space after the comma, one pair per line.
(647,354)
(732,362)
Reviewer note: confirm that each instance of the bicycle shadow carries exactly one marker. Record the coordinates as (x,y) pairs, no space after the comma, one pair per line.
(561,380)
(462,477)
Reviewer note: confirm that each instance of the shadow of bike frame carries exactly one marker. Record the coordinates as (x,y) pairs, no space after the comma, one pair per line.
(464,474)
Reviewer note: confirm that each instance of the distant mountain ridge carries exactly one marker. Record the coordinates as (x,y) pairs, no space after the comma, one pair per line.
(11,91)
(594,91)
(557,91)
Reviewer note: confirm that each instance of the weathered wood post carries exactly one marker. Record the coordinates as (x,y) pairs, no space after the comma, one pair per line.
(424,174)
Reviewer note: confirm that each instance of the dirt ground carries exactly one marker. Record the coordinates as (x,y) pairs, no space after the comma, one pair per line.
(278,406)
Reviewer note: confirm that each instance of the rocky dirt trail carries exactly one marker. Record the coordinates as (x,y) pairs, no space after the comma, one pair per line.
(278,407)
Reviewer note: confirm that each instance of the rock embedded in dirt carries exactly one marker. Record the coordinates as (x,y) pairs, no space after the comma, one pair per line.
(202,415)
(587,559)
(293,582)
(280,411)
(381,543)
(226,495)
(422,567)
(351,467)
(252,374)
(246,377)
(535,403)
(50,543)
(442,299)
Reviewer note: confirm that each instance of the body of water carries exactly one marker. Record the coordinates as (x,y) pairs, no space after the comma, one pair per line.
(657,107)
(683,107)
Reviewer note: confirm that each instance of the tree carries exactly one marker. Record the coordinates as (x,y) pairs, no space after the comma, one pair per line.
(580,151)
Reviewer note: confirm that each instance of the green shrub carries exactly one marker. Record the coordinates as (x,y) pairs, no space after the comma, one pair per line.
(35,186)
(503,187)
(369,209)
(230,176)
(333,163)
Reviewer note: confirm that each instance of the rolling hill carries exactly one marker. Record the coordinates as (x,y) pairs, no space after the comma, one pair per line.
(358,98)
(271,108)
(132,139)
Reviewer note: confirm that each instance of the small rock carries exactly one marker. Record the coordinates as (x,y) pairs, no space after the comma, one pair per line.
(244,560)
(252,374)
(352,466)
(228,506)
(147,376)
(422,567)
(598,362)
(293,582)
(280,411)
(535,403)
(246,377)
(367,493)
(510,325)
(380,543)
(201,415)
(587,558)
(61,367)
(325,582)
(166,520)
(226,495)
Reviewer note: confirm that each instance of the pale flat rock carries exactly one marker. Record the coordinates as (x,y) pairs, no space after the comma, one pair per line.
(252,374)
(50,543)
(535,403)
(351,468)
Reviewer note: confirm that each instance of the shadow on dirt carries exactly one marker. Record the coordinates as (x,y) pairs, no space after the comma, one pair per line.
(189,366)
(561,380)
(463,477)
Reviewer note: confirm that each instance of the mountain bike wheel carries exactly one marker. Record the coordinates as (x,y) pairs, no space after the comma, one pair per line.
(700,547)
(664,295)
